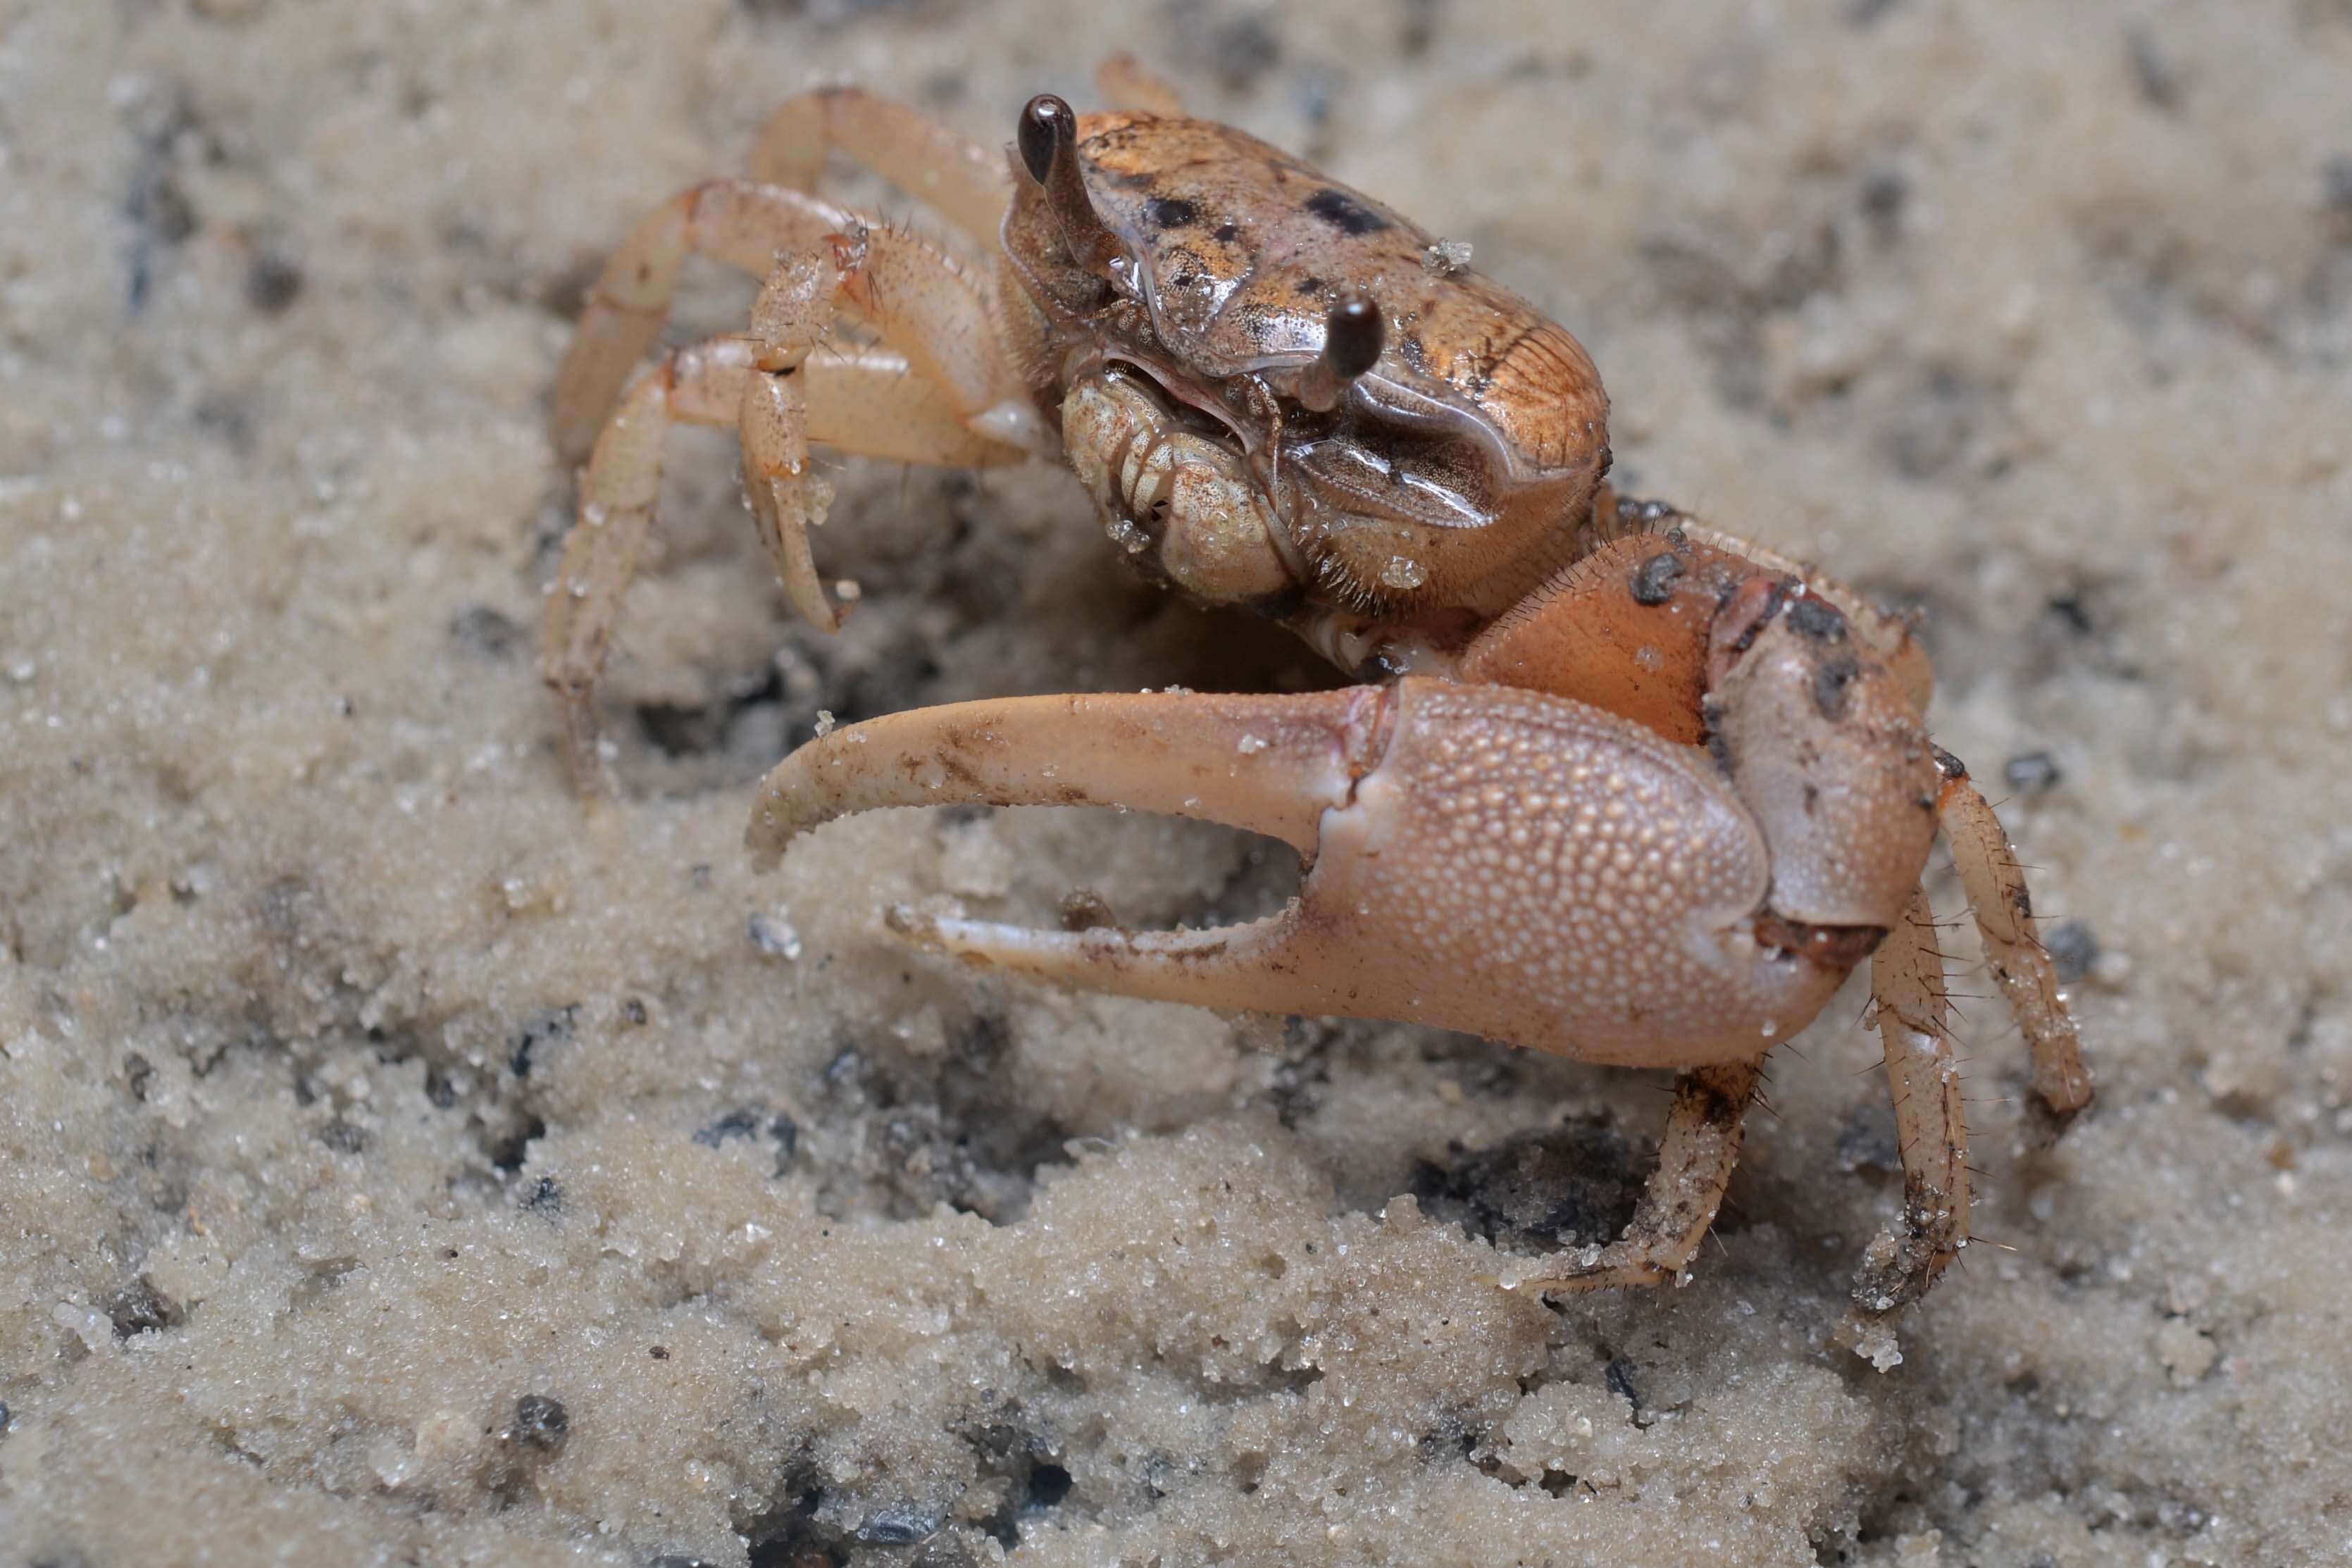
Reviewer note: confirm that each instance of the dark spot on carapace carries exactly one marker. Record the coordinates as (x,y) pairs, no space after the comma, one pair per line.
(1344,212)
(1830,682)
(1169,212)
(1654,580)
(1310,286)
(1817,619)
(1226,233)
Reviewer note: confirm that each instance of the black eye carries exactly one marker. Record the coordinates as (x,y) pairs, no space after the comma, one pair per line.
(1045,124)
(1351,337)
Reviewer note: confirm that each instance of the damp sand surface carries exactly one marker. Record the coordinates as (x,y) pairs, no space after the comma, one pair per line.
(394,1169)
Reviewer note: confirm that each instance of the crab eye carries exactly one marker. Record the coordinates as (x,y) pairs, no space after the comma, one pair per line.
(1351,345)
(1352,338)
(1048,140)
(1046,123)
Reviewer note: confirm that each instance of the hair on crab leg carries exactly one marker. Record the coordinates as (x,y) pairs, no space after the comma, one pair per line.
(1906,982)
(2020,965)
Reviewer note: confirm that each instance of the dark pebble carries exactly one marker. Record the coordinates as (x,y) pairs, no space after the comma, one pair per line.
(2033,773)
(541,1422)
(897,1528)
(271,283)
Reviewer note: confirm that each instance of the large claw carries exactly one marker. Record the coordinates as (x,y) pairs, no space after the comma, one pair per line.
(1506,862)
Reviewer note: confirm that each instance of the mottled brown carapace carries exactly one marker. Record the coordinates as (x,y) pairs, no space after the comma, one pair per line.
(1615,786)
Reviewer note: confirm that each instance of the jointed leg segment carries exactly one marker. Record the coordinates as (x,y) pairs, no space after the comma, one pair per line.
(920,301)
(2003,910)
(1678,1206)
(936,390)
(1909,1010)
(968,182)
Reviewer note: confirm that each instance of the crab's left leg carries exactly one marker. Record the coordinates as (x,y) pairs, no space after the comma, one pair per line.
(969,183)
(920,301)
(781,392)
(1677,1207)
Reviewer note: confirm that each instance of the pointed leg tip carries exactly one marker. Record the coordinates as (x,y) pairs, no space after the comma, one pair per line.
(2051,1119)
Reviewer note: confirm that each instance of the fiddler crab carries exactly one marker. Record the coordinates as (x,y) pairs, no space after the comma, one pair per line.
(1612,784)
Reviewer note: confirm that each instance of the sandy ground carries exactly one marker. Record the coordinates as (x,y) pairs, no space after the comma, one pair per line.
(392,1172)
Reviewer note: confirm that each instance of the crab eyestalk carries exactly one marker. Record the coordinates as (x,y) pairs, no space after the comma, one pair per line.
(1048,139)
(1352,338)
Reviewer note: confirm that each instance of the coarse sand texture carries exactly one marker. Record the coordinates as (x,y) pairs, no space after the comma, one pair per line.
(397,1168)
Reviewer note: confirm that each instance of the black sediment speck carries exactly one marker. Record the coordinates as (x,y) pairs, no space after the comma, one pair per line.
(1654,580)
(541,1422)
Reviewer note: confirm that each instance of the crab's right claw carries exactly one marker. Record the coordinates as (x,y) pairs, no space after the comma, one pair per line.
(1505,862)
